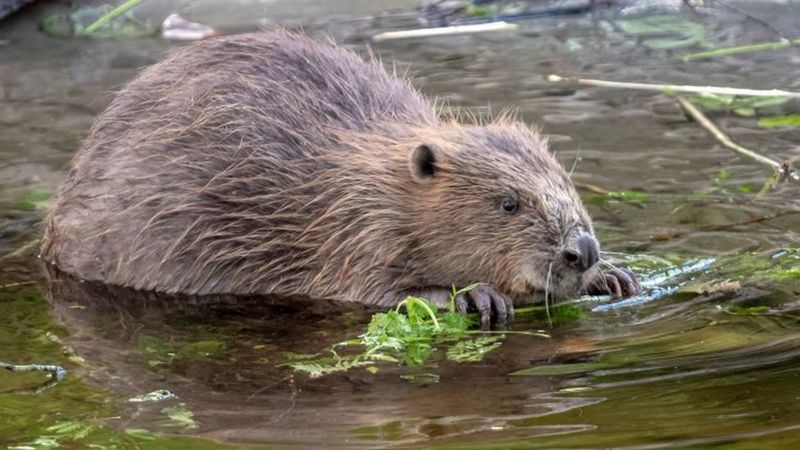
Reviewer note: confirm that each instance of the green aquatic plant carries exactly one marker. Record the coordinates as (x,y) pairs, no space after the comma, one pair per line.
(473,350)
(759,47)
(180,416)
(788,120)
(109,16)
(71,414)
(162,353)
(748,310)
(742,106)
(409,335)
(760,267)
(412,333)
(101,21)
(618,196)
(35,200)
(477,10)
(553,315)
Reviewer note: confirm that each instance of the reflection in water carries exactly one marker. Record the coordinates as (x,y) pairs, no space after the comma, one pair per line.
(221,355)
(137,342)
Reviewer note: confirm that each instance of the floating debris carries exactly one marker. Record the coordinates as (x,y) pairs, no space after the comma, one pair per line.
(55,372)
(442,31)
(153,397)
(177,28)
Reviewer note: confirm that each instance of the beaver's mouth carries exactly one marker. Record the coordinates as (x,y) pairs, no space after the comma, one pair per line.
(557,283)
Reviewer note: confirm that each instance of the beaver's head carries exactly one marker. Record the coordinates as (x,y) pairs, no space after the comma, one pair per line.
(493,205)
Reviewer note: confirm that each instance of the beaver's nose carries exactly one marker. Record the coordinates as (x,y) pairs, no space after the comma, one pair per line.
(584,254)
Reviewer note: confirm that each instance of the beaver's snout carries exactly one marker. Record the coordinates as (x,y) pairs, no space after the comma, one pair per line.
(582,253)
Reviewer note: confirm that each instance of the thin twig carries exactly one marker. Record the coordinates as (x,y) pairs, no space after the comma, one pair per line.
(24,250)
(750,48)
(440,31)
(709,126)
(783,170)
(12,285)
(672,88)
(593,188)
(109,16)
(57,373)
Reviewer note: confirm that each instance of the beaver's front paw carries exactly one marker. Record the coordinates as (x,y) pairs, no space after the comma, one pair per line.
(618,282)
(486,299)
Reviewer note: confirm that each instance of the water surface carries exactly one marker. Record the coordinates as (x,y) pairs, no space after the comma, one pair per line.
(703,368)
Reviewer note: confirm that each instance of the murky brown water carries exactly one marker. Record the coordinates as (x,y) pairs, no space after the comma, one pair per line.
(680,372)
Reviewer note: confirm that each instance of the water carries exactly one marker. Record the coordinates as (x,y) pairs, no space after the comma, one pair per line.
(706,367)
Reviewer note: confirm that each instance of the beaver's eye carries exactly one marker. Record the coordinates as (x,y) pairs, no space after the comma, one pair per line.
(510,205)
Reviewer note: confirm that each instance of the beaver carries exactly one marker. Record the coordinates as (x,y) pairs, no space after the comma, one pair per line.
(271,163)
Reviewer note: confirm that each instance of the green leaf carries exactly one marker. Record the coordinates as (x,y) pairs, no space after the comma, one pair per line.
(421,378)
(71,429)
(410,338)
(33,200)
(299,356)
(748,311)
(455,323)
(722,175)
(745,112)
(478,11)
(140,434)
(712,102)
(789,120)
(743,106)
(181,416)
(629,196)
(626,196)
(201,349)
(766,102)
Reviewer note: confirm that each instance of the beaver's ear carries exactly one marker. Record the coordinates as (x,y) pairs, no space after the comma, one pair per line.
(423,163)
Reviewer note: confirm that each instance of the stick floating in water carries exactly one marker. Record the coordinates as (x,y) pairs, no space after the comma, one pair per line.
(723,138)
(742,49)
(669,88)
(56,373)
(442,31)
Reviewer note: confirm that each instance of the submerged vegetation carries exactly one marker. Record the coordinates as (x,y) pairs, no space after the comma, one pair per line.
(414,337)
(73,413)
(409,338)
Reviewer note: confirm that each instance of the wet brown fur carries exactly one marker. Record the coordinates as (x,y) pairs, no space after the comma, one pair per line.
(271,163)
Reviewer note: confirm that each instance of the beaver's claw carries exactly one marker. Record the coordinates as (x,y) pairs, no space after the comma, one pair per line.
(618,282)
(486,299)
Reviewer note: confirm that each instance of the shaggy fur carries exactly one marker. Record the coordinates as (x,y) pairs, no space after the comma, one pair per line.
(271,163)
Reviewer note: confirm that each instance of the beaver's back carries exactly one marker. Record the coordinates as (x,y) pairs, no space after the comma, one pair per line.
(280,87)
(214,132)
